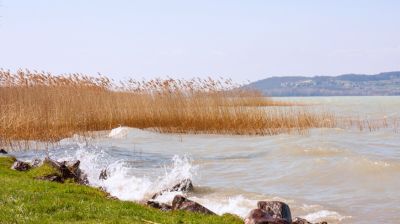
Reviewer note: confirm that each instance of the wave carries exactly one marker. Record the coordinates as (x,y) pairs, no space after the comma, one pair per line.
(324,215)
(371,166)
(120,132)
(126,181)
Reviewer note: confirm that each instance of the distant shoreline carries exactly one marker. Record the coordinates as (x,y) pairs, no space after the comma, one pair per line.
(382,84)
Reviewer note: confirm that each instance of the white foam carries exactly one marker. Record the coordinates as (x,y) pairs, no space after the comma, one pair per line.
(124,183)
(125,186)
(118,133)
(182,168)
(237,205)
(324,215)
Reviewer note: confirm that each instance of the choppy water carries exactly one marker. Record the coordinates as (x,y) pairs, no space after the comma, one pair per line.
(336,175)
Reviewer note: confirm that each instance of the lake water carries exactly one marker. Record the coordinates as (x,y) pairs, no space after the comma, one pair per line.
(337,175)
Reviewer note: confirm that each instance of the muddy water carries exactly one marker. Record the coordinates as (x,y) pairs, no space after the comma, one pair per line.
(336,175)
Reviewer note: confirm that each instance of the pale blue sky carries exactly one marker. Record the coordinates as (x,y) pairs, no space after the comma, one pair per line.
(246,39)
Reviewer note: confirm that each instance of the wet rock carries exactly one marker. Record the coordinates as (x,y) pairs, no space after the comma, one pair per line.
(185,185)
(68,170)
(158,205)
(36,163)
(73,166)
(276,209)
(2,151)
(103,174)
(52,163)
(261,216)
(182,203)
(79,176)
(299,220)
(83,179)
(20,166)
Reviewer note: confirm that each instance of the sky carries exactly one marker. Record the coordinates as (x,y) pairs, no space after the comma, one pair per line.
(242,40)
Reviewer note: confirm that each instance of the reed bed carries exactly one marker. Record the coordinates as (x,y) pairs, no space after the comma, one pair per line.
(40,106)
(371,124)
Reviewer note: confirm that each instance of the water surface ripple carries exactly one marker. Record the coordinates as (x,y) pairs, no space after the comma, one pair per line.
(337,175)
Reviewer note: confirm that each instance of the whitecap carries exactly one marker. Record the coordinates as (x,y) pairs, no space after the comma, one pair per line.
(324,215)
(120,132)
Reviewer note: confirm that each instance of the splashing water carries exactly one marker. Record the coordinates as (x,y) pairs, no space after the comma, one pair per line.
(334,175)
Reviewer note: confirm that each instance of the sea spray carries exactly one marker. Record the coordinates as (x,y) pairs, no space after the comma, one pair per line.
(125,181)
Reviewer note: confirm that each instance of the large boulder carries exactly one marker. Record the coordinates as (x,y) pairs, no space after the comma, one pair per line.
(21,166)
(67,170)
(260,216)
(158,205)
(73,166)
(185,185)
(276,209)
(78,175)
(182,203)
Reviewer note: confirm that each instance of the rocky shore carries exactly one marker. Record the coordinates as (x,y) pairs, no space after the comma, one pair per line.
(266,212)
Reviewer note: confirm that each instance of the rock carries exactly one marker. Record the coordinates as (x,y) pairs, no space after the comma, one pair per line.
(20,166)
(103,175)
(36,163)
(182,203)
(261,216)
(158,205)
(299,220)
(83,179)
(52,163)
(68,170)
(2,151)
(54,178)
(79,176)
(185,185)
(276,209)
(73,166)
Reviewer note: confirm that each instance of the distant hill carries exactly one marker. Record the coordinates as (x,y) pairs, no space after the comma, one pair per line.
(382,84)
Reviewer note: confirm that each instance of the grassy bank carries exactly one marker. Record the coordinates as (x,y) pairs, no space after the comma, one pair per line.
(45,107)
(26,200)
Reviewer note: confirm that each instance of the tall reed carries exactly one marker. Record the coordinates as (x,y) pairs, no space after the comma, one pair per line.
(41,106)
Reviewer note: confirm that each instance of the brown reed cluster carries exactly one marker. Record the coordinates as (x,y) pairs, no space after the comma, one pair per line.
(44,107)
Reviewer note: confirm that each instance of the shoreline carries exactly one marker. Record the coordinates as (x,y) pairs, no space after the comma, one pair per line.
(51,171)
(52,202)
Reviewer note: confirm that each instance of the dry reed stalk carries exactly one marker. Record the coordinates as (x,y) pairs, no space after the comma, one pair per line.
(43,107)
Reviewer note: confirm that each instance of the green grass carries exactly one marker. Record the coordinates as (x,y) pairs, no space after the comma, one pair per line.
(26,200)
